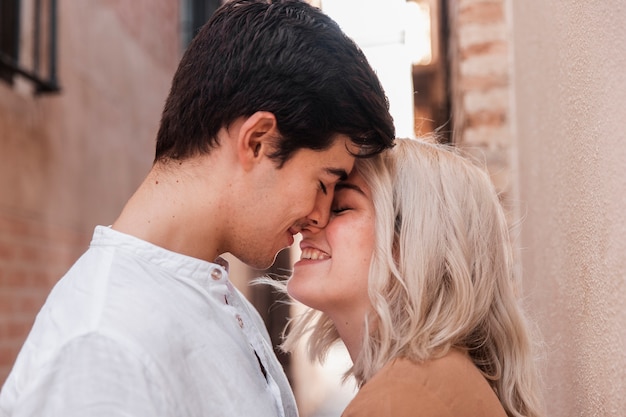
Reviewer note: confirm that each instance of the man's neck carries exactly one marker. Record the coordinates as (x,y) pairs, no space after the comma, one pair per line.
(178,208)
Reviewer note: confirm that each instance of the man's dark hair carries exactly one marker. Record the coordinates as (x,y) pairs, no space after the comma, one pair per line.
(285,57)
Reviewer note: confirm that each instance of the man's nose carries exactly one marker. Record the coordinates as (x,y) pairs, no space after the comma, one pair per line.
(320,215)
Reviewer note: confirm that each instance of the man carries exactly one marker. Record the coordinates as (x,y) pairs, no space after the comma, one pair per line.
(267,111)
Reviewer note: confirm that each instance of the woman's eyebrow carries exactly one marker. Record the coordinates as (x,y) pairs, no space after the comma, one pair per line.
(349,186)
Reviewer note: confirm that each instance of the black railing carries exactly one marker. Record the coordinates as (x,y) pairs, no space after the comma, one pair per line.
(42,69)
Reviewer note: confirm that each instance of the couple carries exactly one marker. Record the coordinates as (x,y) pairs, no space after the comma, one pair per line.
(269,109)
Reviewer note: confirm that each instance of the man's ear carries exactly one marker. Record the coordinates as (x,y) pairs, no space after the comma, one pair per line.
(256,138)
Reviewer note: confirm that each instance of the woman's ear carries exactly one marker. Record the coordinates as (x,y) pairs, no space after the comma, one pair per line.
(256,137)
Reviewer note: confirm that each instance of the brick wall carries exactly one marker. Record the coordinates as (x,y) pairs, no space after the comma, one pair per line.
(33,256)
(70,161)
(481,85)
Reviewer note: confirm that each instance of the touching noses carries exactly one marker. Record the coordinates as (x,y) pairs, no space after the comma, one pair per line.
(320,214)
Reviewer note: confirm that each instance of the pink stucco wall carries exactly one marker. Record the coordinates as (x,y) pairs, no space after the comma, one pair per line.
(570,127)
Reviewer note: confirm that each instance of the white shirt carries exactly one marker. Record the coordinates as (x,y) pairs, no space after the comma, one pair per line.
(136,330)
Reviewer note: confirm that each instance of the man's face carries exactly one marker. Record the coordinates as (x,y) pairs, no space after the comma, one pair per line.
(282,201)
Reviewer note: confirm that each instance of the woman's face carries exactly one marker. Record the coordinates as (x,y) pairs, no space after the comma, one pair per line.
(331,275)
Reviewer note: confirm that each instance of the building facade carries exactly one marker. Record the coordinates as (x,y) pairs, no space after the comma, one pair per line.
(539,87)
(536,88)
(70,159)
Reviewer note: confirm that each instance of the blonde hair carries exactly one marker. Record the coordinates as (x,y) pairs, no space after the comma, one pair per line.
(441,275)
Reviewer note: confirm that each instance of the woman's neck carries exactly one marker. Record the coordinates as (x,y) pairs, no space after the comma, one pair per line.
(351,332)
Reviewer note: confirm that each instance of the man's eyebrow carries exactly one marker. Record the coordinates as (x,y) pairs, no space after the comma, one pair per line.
(338,172)
(348,186)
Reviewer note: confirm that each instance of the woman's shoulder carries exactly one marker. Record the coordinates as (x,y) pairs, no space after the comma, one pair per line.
(446,386)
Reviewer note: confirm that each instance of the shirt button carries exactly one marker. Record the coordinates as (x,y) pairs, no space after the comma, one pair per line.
(240,320)
(216,274)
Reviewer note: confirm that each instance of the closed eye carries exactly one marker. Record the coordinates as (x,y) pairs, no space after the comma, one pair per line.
(323,188)
(337,210)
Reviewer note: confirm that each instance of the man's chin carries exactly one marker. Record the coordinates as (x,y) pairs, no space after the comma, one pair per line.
(265,261)
(260,263)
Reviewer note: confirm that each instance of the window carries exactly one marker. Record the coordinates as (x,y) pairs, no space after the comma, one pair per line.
(405,43)
(31,56)
(9,29)
(194,14)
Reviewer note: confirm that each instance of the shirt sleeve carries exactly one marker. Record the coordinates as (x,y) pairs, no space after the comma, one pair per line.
(92,375)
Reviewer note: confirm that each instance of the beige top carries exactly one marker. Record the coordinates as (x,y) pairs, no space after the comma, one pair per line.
(451,386)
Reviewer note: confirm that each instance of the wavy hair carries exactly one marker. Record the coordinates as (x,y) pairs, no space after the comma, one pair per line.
(441,275)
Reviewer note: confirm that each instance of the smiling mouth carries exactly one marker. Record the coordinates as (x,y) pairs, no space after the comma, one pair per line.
(313,254)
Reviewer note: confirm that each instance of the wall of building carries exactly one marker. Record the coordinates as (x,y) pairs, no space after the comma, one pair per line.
(570,108)
(69,161)
(539,88)
(480,85)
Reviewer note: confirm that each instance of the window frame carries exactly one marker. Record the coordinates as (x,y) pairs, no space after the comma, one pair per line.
(44,45)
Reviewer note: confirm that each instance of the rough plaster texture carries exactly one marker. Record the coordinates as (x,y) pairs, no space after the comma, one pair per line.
(570,122)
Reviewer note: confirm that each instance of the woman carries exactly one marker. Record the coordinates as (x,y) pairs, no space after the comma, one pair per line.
(414,274)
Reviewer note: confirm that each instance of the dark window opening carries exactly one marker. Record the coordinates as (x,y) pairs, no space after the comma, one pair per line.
(430,81)
(194,14)
(34,60)
(9,40)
